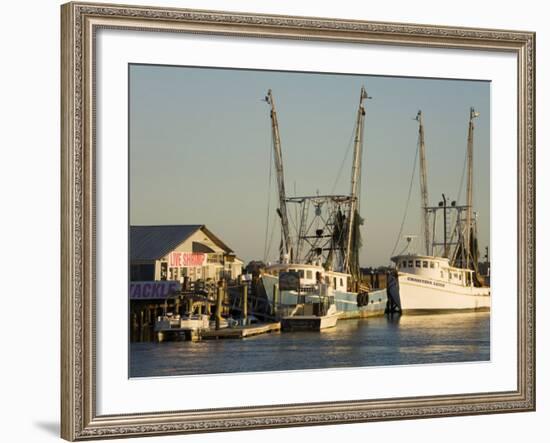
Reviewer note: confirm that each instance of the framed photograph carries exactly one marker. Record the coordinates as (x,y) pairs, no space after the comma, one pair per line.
(275,221)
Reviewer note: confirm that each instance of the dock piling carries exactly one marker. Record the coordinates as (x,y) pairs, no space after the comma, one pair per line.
(245,303)
(275,299)
(219,298)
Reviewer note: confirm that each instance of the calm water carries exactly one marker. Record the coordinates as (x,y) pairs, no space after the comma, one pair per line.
(365,342)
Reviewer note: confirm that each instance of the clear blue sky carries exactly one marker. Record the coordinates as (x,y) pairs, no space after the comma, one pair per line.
(200,147)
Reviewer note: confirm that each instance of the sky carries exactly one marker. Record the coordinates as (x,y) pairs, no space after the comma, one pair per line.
(200,149)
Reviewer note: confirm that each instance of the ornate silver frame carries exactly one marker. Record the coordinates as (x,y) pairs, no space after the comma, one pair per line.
(80,21)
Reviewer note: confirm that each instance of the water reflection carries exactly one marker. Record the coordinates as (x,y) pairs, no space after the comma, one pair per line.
(396,340)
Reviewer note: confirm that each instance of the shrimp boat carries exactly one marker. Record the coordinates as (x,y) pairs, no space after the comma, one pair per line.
(450,281)
(317,280)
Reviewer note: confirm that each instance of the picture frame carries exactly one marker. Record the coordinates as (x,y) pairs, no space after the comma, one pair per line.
(80,243)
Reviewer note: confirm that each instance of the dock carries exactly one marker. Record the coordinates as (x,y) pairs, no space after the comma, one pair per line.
(240,331)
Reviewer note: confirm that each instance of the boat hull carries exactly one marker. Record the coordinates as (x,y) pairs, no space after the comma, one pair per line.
(348,308)
(308,323)
(346,302)
(420,295)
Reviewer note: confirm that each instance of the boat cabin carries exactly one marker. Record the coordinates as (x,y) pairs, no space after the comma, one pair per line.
(311,275)
(436,268)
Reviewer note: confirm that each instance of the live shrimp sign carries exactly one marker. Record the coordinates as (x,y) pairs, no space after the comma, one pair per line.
(186,259)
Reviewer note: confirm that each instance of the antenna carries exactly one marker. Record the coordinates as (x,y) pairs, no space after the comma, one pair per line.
(410,238)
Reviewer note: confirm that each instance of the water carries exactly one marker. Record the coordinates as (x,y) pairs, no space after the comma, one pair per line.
(353,343)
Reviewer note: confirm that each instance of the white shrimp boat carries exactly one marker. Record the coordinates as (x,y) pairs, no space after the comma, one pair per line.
(430,284)
(449,282)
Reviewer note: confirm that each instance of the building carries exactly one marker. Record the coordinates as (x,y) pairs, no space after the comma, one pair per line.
(174,252)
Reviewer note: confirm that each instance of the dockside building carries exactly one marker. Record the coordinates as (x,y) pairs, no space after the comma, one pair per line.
(179,252)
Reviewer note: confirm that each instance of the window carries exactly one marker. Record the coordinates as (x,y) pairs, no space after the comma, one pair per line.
(309,275)
(410,263)
(432,265)
(301,272)
(424,264)
(341,282)
(441,274)
(417,263)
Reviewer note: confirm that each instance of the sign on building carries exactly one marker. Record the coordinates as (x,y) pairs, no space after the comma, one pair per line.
(149,290)
(186,259)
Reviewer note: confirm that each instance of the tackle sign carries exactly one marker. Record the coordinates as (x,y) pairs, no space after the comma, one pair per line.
(150,290)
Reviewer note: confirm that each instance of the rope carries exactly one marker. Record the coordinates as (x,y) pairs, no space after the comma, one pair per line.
(344,160)
(270,244)
(408,201)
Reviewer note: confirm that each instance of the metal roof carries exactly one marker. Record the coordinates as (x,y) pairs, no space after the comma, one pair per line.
(154,242)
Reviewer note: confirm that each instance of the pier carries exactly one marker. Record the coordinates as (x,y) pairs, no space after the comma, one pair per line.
(216,334)
(240,331)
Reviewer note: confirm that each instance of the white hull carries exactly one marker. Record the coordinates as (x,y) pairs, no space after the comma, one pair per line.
(309,322)
(174,323)
(421,294)
(196,322)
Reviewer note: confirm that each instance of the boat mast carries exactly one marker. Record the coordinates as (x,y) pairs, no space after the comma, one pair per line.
(423,183)
(470,189)
(355,175)
(278,158)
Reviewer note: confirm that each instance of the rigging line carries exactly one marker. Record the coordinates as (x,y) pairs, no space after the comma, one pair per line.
(270,244)
(344,160)
(294,223)
(268,199)
(408,201)
(461,186)
(403,250)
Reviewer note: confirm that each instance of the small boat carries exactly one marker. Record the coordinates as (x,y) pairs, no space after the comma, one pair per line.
(449,281)
(195,322)
(311,313)
(184,326)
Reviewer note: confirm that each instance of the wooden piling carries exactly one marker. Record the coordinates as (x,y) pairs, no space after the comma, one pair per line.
(245,303)
(275,299)
(219,298)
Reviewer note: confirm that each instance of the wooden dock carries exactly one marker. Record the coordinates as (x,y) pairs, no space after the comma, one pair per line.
(240,331)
